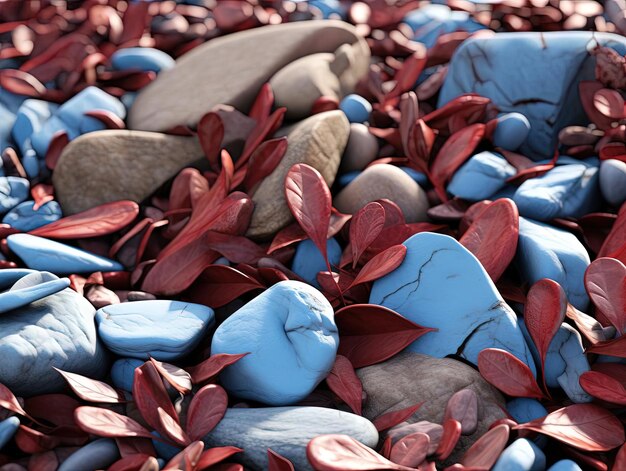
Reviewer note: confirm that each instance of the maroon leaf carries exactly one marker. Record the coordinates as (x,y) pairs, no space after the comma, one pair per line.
(584,426)
(9,401)
(365,227)
(393,418)
(371,334)
(210,135)
(236,249)
(277,462)
(587,91)
(603,387)
(485,451)
(408,74)
(605,281)
(264,129)
(106,423)
(343,381)
(187,188)
(207,408)
(55,148)
(381,264)
(457,149)
(411,450)
(41,194)
(463,407)
(171,429)
(130,463)
(620,459)
(90,389)
(186,459)
(106,117)
(95,222)
(213,365)
(220,284)
(610,103)
(262,105)
(614,348)
(507,373)
(264,161)
(178,378)
(493,235)
(449,438)
(615,244)
(213,456)
(32,441)
(341,453)
(589,326)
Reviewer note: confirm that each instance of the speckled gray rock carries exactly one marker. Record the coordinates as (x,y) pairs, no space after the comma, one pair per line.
(99,454)
(106,166)
(231,70)
(318,141)
(361,149)
(384,181)
(613,181)
(286,430)
(57,330)
(410,378)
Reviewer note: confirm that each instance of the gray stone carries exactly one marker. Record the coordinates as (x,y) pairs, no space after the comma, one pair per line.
(613,181)
(362,148)
(99,454)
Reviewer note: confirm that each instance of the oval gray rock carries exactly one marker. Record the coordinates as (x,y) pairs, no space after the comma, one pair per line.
(99,454)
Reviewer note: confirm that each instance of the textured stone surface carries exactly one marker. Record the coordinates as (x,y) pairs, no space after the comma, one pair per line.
(441,284)
(613,181)
(15,298)
(291,335)
(231,70)
(540,80)
(57,330)
(113,165)
(123,372)
(286,430)
(99,454)
(410,378)
(13,190)
(25,218)
(318,141)
(384,181)
(481,176)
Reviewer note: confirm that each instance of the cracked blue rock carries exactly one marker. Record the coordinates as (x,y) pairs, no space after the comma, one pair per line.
(521,455)
(540,80)
(481,176)
(308,260)
(441,284)
(431,21)
(544,251)
(291,335)
(26,218)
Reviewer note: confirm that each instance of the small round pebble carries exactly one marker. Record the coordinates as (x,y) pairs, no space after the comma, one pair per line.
(356,108)
(308,260)
(123,372)
(361,149)
(99,454)
(511,131)
(141,58)
(565,465)
(613,181)
(8,427)
(521,455)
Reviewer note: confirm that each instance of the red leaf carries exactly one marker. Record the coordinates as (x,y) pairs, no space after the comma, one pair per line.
(342,453)
(605,281)
(130,463)
(309,200)
(106,117)
(264,129)
(106,423)
(613,150)
(408,74)
(343,381)
(589,327)
(528,173)
(264,161)
(236,249)
(95,222)
(41,194)
(89,389)
(493,235)
(207,408)
(587,90)
(449,438)
(393,418)
(610,103)
(614,348)
(262,105)
(365,227)
(169,428)
(615,244)
(214,455)
(411,450)
(32,441)
(178,378)
(278,462)
(371,334)
(210,135)
(220,284)
(603,387)
(57,409)
(381,264)
(186,459)
(544,313)
(213,366)
(584,426)
(507,373)
(485,451)
(57,144)
(187,188)
(620,459)
(456,150)
(9,401)
(463,407)
(287,236)
(439,118)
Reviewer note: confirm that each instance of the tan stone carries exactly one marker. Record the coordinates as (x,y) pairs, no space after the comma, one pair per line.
(317,141)
(106,166)
(384,181)
(231,70)
(362,148)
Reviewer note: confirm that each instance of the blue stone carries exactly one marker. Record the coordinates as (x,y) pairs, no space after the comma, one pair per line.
(345,178)
(162,329)
(291,335)
(25,218)
(511,131)
(31,163)
(141,58)
(15,298)
(13,190)
(565,361)
(544,251)
(47,255)
(331,9)
(524,409)
(481,176)
(420,178)
(308,260)
(536,74)
(8,427)
(164,450)
(521,455)
(565,465)
(9,276)
(9,104)
(128,99)
(99,454)
(30,118)
(123,373)
(356,108)
(431,21)
(441,284)
(565,191)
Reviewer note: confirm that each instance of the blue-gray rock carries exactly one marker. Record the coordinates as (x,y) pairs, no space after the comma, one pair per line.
(565,465)
(308,260)
(521,455)
(565,191)
(8,427)
(292,338)
(25,218)
(13,190)
(9,276)
(15,298)
(540,80)
(544,251)
(511,131)
(29,119)
(164,330)
(524,409)
(9,104)
(141,58)
(287,431)
(613,181)
(123,373)
(356,108)
(431,21)
(47,255)
(99,454)
(361,149)
(441,284)
(57,330)
(481,176)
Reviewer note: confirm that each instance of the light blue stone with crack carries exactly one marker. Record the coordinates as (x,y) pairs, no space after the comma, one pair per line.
(25,218)
(440,284)
(161,329)
(13,190)
(565,465)
(544,251)
(16,298)
(511,131)
(308,260)
(290,332)
(123,372)
(356,108)
(534,73)
(141,58)
(521,455)
(30,118)
(481,176)
(47,255)
(8,427)
(565,191)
